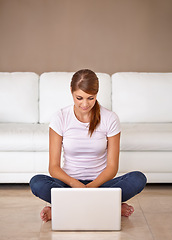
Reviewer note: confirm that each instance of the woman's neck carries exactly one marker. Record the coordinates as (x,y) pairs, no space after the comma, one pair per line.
(85,118)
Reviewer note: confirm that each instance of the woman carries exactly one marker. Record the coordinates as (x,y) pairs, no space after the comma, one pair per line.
(90,137)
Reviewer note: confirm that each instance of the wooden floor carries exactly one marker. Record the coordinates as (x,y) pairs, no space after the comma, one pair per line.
(152,219)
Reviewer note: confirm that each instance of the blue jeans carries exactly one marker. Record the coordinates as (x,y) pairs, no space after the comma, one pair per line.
(131,184)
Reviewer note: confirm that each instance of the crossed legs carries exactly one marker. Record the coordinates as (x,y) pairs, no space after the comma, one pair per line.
(131,184)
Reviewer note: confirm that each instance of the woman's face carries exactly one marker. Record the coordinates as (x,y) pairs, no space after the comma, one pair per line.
(83,102)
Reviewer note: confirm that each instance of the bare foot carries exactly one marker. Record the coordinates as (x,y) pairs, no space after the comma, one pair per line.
(46,214)
(126,210)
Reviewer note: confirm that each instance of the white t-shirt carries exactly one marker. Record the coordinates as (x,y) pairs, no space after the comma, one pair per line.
(85,157)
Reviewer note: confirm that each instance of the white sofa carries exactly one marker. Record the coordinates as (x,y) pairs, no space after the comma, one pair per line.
(143,102)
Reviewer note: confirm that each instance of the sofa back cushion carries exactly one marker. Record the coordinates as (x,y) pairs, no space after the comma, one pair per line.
(142,97)
(19,97)
(55,92)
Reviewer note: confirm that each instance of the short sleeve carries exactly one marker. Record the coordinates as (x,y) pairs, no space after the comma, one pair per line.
(113,125)
(56,122)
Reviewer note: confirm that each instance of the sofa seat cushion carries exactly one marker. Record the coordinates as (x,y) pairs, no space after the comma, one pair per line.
(146,137)
(23,137)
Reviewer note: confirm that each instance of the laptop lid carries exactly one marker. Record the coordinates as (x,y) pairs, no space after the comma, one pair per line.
(86,209)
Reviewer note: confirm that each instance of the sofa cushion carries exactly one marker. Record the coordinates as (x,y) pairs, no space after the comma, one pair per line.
(146,137)
(19,97)
(55,92)
(23,137)
(142,97)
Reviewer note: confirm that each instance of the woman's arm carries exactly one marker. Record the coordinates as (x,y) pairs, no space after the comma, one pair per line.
(55,146)
(111,169)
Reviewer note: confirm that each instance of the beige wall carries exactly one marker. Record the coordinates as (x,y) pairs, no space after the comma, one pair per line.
(104,35)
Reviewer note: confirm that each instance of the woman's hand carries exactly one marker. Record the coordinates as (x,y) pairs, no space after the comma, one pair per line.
(77,184)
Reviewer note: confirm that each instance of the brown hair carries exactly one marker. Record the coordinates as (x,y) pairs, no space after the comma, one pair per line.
(87,81)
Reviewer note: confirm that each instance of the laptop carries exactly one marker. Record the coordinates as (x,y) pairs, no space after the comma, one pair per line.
(86,209)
